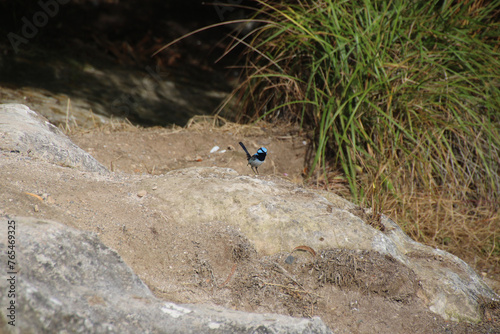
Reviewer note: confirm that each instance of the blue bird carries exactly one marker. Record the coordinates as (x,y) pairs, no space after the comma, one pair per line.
(257,159)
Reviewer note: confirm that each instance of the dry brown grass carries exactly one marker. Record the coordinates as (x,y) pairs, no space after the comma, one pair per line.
(464,224)
(468,229)
(113,125)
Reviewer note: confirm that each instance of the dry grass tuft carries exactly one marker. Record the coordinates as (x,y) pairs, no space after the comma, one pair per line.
(468,229)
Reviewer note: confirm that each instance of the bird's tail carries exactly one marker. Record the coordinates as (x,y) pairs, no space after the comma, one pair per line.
(245,149)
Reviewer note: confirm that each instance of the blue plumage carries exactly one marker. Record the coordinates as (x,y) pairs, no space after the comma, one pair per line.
(257,159)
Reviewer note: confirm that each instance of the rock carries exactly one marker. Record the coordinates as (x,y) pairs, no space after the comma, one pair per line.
(24,131)
(196,224)
(277,216)
(69,281)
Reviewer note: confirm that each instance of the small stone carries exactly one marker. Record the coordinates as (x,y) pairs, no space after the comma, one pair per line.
(36,208)
(142,193)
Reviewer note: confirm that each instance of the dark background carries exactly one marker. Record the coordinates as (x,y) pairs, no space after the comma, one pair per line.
(110,33)
(142,24)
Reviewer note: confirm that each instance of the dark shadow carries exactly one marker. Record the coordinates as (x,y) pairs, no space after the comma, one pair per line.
(100,51)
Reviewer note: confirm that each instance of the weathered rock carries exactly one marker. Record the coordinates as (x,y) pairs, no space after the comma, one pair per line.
(24,131)
(278,216)
(68,281)
(192,204)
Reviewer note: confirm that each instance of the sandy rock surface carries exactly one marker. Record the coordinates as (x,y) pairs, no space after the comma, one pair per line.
(210,235)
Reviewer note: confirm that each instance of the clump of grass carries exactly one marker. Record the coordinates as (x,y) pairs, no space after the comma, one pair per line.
(413,85)
(402,97)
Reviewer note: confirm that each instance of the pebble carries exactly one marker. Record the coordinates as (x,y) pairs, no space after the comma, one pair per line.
(142,193)
(50,200)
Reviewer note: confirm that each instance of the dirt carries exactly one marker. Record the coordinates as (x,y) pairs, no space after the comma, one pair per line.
(212,262)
